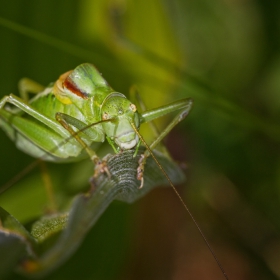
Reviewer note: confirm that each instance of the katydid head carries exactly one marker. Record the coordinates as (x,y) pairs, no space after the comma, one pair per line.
(122,113)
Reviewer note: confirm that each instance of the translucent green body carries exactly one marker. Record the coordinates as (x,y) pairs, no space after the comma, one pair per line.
(76,114)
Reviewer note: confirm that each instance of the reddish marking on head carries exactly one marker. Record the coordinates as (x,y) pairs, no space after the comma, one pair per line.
(70,85)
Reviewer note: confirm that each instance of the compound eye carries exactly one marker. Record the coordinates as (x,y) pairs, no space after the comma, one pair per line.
(133,108)
(105,116)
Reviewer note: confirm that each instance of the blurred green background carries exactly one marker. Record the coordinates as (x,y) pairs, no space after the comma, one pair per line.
(223,54)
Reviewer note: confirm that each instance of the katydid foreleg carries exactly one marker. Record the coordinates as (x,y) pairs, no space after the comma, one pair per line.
(184,106)
(66,121)
(136,97)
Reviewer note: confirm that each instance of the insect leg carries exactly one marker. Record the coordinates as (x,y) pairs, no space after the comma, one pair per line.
(18,102)
(48,186)
(66,121)
(27,86)
(136,98)
(183,106)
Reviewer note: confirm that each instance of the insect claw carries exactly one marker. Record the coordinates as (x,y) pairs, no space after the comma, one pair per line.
(142,183)
(140,170)
(101,167)
(107,171)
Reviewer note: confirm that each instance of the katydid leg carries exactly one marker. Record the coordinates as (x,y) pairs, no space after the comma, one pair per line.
(134,94)
(27,86)
(44,134)
(95,134)
(62,119)
(183,106)
(17,102)
(48,186)
(66,121)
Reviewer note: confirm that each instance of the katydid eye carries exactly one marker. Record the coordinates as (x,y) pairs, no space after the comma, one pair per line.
(105,116)
(133,108)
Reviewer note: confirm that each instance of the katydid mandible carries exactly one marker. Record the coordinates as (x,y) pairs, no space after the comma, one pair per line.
(81,104)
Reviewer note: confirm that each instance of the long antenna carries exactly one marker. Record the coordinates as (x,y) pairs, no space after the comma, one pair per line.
(182,201)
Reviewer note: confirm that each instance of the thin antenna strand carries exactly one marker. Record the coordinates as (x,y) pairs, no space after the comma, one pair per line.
(182,201)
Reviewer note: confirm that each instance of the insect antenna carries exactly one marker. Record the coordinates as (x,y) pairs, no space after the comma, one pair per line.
(182,201)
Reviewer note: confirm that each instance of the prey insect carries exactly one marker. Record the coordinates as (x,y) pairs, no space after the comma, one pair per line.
(82,108)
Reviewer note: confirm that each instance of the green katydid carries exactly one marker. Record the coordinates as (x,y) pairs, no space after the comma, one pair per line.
(69,119)
(80,99)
